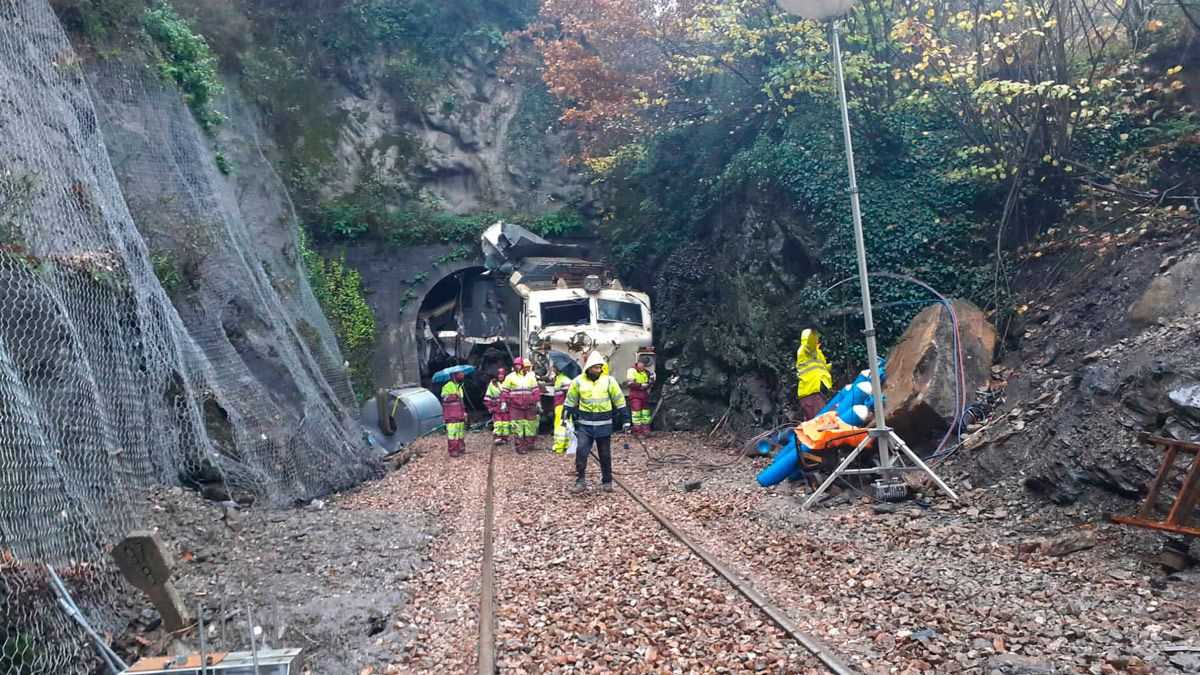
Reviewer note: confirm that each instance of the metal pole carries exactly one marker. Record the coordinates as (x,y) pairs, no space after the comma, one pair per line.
(203,638)
(253,640)
(880,434)
(114,662)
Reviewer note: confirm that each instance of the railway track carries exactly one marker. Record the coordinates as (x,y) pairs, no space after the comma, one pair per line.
(487,652)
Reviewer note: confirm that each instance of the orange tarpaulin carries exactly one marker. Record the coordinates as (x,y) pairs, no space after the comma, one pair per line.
(828,431)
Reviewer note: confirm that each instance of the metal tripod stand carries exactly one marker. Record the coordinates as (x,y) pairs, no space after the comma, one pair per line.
(882,433)
(885,436)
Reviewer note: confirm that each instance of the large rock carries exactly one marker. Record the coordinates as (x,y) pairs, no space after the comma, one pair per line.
(921,369)
(1170,295)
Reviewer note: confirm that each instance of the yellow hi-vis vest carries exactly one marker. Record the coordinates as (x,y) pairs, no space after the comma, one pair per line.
(812,370)
(596,400)
(520,390)
(635,376)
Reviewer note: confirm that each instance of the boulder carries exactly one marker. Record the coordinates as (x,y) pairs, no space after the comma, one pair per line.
(921,370)
(1161,393)
(1172,294)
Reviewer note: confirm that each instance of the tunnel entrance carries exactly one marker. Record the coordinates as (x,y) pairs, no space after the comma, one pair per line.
(471,318)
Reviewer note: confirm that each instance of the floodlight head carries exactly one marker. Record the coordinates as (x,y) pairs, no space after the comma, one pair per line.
(815,9)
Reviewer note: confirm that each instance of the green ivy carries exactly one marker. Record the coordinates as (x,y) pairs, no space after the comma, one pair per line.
(461,253)
(751,215)
(223,164)
(185,58)
(338,288)
(421,221)
(166,268)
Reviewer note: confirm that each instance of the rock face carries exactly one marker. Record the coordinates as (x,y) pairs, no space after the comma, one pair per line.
(155,326)
(1172,294)
(481,143)
(921,371)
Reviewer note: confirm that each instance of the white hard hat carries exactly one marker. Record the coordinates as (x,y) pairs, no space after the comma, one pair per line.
(595,359)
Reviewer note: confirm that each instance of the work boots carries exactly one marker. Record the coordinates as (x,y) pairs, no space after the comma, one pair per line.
(579,486)
(607,487)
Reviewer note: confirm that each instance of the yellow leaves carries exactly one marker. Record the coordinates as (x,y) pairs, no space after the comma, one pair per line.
(1154,25)
(601,166)
(1174,71)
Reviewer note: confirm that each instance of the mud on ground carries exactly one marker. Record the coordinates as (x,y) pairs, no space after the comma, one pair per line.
(386,579)
(329,578)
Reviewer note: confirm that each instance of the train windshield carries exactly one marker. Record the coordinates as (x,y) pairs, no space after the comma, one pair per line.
(616,311)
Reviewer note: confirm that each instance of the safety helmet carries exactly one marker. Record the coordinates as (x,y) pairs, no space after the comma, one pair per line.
(518,363)
(501,372)
(594,359)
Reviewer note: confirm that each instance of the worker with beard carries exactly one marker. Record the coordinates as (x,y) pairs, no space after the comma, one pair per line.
(595,404)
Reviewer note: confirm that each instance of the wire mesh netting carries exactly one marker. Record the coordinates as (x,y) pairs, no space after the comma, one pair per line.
(231,382)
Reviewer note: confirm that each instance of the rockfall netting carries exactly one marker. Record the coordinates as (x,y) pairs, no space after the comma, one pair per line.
(224,378)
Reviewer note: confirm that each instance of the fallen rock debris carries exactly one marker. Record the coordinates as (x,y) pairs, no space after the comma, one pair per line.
(591,583)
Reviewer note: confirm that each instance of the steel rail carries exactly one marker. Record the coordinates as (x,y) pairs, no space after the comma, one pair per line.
(487,583)
(816,647)
(487,635)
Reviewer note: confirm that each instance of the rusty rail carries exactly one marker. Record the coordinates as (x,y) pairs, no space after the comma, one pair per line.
(1179,518)
(816,647)
(487,615)
(487,582)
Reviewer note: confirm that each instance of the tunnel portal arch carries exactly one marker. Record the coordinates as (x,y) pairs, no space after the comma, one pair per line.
(465,316)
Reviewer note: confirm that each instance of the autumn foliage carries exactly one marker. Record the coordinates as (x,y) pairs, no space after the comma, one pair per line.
(609,62)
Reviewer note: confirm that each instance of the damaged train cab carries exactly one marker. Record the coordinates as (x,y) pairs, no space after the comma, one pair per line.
(533,298)
(523,296)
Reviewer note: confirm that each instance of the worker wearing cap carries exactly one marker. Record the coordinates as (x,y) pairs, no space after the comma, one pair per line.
(595,403)
(519,395)
(491,401)
(639,381)
(562,384)
(455,414)
(812,371)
